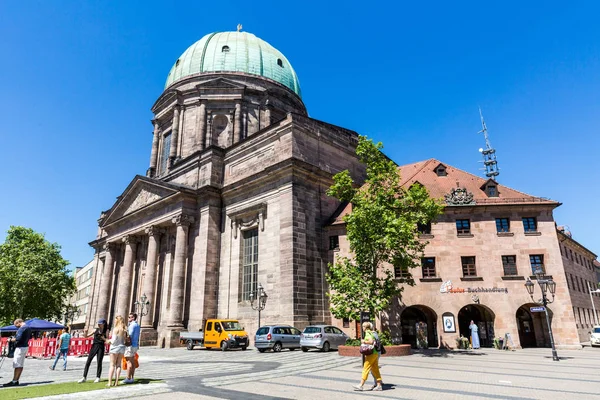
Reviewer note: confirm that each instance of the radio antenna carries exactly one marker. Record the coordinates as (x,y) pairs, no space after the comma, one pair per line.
(489,153)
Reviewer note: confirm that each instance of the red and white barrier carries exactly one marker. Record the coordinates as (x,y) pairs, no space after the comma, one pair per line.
(46,348)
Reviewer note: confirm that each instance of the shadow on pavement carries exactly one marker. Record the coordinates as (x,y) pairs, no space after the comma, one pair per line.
(444,353)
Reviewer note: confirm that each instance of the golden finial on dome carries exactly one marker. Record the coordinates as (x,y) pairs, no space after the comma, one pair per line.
(239,27)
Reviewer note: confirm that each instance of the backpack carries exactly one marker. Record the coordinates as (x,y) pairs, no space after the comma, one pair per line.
(378,346)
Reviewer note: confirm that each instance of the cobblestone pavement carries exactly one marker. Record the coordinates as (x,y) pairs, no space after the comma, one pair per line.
(204,374)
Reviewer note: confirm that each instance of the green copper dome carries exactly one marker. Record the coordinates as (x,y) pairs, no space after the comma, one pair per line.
(235,52)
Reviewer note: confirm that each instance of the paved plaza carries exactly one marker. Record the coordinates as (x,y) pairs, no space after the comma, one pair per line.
(205,374)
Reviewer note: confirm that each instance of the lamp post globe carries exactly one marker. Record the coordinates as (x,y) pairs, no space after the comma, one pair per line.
(546,284)
(259,305)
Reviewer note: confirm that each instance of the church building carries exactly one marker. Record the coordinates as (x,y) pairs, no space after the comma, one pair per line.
(234,196)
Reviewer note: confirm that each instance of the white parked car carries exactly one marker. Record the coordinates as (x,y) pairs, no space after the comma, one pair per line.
(595,336)
(322,337)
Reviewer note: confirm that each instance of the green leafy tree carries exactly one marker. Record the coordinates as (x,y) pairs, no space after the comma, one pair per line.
(33,275)
(382,232)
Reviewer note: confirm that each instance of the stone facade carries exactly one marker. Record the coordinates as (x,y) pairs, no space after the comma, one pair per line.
(81,299)
(234,158)
(580,274)
(492,293)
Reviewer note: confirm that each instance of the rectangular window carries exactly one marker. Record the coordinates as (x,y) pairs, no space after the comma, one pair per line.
(530,224)
(509,264)
(578,285)
(537,263)
(249,263)
(571,254)
(345,323)
(166,149)
(424,229)
(468,266)
(492,191)
(502,225)
(428,266)
(400,272)
(334,242)
(463,226)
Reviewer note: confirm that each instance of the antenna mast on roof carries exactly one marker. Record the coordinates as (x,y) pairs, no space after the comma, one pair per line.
(489,153)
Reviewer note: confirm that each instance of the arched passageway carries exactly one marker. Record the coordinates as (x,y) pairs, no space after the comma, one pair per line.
(418,325)
(532,327)
(483,317)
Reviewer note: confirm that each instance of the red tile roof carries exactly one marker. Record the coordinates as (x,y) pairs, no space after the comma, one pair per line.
(424,172)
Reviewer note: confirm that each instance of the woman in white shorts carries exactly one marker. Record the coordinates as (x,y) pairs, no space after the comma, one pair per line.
(117,349)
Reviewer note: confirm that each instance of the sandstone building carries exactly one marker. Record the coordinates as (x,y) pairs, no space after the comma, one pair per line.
(234,196)
(481,250)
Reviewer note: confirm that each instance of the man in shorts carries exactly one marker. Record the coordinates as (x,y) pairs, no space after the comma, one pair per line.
(134,333)
(21,346)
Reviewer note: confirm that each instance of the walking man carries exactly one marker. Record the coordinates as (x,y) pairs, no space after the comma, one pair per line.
(62,348)
(134,333)
(21,346)
(97,350)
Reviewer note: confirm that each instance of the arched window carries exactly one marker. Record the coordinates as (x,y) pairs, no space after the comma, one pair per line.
(177,62)
(279,62)
(225,49)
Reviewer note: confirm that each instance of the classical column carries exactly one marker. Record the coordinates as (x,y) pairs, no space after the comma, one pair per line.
(154,155)
(209,140)
(150,279)
(125,277)
(177,284)
(105,285)
(267,116)
(174,135)
(237,129)
(202,124)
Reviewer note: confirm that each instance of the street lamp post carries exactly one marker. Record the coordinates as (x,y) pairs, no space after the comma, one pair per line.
(545,285)
(142,306)
(259,305)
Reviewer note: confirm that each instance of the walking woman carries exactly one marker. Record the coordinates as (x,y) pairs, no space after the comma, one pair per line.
(474,335)
(117,349)
(371,361)
(97,350)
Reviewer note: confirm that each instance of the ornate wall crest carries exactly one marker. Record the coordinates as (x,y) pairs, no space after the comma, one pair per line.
(459,197)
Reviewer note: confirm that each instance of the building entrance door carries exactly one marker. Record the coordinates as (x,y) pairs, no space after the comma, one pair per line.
(526,328)
(483,317)
(418,325)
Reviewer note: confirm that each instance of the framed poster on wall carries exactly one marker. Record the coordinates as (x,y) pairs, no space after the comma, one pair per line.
(449,323)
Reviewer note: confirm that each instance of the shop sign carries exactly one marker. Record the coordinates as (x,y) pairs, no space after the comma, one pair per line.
(448,288)
(537,309)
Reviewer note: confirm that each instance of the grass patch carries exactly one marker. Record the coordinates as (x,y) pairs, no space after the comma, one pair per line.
(52,389)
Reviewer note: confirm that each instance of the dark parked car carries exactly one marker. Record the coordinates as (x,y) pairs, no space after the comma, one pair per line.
(276,338)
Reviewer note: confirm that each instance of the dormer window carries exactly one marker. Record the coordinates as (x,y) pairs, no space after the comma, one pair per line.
(279,62)
(225,49)
(440,170)
(490,188)
(177,62)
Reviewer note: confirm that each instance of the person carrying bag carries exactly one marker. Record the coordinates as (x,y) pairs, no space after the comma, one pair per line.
(371,364)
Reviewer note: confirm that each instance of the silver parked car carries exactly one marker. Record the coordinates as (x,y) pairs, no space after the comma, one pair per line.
(276,338)
(322,337)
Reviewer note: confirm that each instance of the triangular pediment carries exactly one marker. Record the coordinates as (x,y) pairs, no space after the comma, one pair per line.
(220,83)
(141,193)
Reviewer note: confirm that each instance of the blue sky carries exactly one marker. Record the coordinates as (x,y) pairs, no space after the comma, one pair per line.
(78,79)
